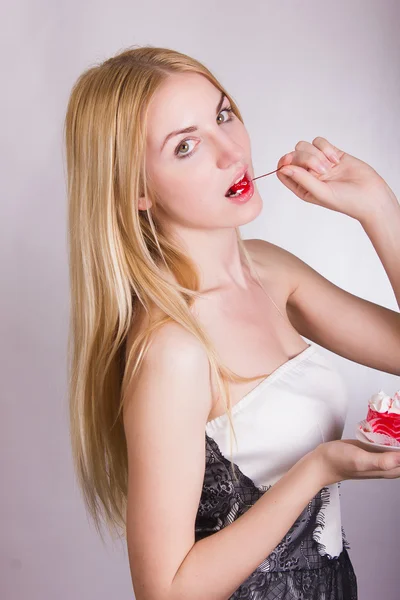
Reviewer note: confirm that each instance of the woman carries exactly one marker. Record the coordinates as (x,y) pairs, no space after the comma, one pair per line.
(169,305)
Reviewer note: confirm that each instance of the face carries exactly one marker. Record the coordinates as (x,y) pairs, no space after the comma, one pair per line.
(191,172)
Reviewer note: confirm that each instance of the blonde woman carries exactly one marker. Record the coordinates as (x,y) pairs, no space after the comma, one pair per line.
(204,428)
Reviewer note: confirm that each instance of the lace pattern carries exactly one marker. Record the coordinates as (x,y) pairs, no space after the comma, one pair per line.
(299,567)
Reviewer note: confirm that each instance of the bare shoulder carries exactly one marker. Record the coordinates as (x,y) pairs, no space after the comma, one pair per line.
(174,345)
(274,263)
(174,357)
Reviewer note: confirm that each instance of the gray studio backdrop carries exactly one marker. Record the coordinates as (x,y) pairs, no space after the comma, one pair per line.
(298,70)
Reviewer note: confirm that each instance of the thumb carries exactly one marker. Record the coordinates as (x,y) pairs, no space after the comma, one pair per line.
(314,186)
(387,460)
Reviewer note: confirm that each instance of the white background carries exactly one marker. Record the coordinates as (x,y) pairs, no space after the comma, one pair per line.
(297,70)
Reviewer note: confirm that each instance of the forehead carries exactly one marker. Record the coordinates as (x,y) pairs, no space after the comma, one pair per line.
(182,100)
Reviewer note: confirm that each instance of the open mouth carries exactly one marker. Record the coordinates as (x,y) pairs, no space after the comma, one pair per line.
(239,187)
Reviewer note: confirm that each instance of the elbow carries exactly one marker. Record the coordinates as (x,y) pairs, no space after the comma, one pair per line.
(156,591)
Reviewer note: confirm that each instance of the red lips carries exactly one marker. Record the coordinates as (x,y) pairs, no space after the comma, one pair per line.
(241,186)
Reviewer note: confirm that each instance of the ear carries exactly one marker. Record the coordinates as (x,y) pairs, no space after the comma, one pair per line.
(144,203)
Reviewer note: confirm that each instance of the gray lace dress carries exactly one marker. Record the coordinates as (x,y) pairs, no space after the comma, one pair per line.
(298,406)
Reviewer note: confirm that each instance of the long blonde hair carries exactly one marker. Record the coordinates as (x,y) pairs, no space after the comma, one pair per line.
(115,256)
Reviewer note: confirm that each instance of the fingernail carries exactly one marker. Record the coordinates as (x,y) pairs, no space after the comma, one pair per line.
(287,171)
(334,158)
(321,168)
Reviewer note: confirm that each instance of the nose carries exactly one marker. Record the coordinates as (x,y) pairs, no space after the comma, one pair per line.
(229,152)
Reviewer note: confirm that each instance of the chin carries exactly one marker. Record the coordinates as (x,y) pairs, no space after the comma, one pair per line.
(250,210)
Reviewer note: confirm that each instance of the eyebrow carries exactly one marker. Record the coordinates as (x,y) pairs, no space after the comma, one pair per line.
(192,127)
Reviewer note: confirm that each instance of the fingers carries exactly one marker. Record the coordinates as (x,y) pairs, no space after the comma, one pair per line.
(329,150)
(321,152)
(383,464)
(305,185)
(296,188)
(388,460)
(374,465)
(322,149)
(285,160)
(302,147)
(311,161)
(390,474)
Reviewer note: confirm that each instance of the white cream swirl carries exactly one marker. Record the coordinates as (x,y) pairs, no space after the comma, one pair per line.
(395,407)
(381,402)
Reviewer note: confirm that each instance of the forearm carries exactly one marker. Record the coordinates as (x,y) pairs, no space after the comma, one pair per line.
(383,229)
(218,564)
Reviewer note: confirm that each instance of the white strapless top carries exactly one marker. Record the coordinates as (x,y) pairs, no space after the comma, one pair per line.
(303,403)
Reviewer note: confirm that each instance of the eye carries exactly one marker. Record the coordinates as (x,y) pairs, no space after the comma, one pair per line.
(228,109)
(184,143)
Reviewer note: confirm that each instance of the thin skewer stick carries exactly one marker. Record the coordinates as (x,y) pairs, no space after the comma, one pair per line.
(266,174)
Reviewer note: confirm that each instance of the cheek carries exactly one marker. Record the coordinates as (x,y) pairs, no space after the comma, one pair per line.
(192,202)
(182,188)
(244,141)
